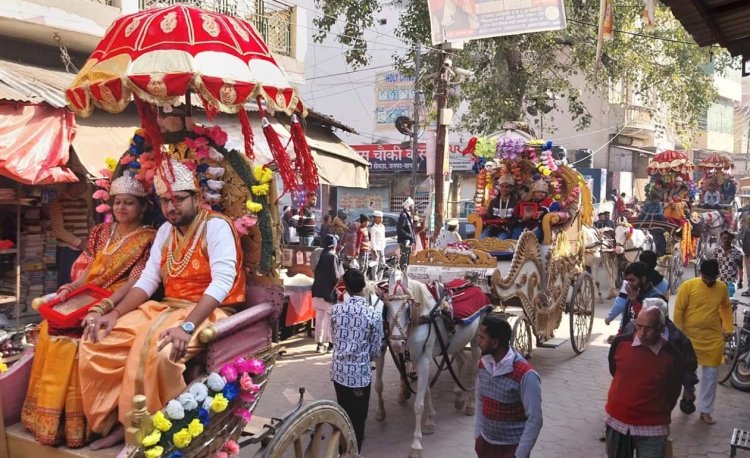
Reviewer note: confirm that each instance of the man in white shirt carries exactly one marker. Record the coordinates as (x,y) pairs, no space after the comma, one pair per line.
(141,346)
(377,239)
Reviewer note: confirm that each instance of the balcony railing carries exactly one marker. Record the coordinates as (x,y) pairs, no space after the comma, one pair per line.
(273,25)
(639,117)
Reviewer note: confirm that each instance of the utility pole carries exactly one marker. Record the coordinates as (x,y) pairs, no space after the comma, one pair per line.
(415,118)
(444,115)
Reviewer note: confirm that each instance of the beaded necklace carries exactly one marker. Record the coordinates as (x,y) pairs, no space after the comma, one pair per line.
(176,266)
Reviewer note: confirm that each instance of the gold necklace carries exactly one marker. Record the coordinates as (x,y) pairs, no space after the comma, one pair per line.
(175,267)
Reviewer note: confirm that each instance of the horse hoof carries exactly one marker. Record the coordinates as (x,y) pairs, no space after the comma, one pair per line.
(415,453)
(380,416)
(428,429)
(459,404)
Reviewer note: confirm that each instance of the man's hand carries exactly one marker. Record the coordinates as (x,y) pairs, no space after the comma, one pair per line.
(82,246)
(94,322)
(179,340)
(632,292)
(727,335)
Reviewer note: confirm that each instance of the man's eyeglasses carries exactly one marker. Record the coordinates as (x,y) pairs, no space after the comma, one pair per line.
(177,200)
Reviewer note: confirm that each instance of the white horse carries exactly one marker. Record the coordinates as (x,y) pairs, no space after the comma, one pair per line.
(629,241)
(598,256)
(410,306)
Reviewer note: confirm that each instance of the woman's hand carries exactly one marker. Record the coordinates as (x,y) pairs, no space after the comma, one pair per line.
(94,323)
(64,291)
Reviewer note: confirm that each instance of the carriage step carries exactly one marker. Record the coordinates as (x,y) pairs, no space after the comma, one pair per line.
(551,343)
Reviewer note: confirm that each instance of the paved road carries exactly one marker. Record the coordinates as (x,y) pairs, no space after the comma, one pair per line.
(574,393)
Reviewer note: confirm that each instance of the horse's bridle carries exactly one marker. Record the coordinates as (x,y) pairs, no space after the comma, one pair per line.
(406,302)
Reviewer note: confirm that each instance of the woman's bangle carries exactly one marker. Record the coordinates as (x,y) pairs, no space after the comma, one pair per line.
(65,287)
(107,305)
(96,309)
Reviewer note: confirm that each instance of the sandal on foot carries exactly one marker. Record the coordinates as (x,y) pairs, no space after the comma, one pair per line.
(707,419)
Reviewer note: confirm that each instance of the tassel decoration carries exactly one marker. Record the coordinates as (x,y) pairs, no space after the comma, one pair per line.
(471,147)
(280,156)
(247,133)
(305,161)
(152,131)
(211,110)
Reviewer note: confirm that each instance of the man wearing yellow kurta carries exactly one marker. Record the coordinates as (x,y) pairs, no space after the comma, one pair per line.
(703,312)
(141,346)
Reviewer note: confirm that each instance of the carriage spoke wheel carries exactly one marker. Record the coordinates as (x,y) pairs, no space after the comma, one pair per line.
(521,337)
(581,312)
(320,429)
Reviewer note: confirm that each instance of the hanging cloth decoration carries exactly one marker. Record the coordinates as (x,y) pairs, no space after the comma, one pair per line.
(152,131)
(471,147)
(305,161)
(648,14)
(247,133)
(280,156)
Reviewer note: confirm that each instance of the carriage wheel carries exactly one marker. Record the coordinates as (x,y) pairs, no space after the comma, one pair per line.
(319,429)
(676,271)
(521,337)
(581,311)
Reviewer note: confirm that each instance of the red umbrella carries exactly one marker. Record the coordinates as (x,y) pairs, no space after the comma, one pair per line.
(715,162)
(670,161)
(161,54)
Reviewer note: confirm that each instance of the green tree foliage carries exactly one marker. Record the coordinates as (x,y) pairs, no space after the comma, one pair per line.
(663,65)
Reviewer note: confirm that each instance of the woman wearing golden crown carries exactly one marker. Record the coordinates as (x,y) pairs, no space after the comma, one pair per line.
(141,346)
(117,252)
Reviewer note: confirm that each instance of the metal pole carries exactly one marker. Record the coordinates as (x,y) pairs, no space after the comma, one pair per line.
(415,118)
(440,141)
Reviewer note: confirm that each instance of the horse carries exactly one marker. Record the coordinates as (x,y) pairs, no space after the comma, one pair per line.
(709,226)
(599,255)
(415,324)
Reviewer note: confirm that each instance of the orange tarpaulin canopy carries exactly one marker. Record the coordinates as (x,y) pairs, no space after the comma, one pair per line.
(35,143)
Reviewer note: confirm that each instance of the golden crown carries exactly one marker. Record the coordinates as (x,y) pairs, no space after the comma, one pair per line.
(126,184)
(540,185)
(182,179)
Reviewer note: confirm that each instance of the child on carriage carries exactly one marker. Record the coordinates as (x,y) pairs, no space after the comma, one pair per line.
(532,211)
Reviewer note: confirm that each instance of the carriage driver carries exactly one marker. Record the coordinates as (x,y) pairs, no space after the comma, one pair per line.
(141,346)
(499,221)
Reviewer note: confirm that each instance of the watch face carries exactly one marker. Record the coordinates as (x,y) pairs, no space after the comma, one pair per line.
(188,327)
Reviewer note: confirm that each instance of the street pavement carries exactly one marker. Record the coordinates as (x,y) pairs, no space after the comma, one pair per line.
(574,390)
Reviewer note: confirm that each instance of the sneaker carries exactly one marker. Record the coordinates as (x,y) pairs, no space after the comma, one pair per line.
(319,348)
(329,348)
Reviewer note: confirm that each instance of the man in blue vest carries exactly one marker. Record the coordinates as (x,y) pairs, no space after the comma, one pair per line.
(508,408)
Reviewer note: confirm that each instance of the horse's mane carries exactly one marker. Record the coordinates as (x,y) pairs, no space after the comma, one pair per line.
(422,295)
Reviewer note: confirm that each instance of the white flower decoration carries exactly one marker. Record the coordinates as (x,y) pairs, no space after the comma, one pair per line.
(199,391)
(175,411)
(215,155)
(207,402)
(188,401)
(216,382)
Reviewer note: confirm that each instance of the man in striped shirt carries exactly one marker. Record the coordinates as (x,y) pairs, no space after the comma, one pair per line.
(70,225)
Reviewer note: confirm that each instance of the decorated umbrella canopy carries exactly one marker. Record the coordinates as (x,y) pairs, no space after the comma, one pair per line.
(716,162)
(670,161)
(156,56)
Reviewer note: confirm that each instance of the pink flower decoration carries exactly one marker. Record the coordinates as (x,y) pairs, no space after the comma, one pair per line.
(102,183)
(257,367)
(248,396)
(232,448)
(246,382)
(145,157)
(108,218)
(243,413)
(201,154)
(197,144)
(191,165)
(218,135)
(222,455)
(101,194)
(106,173)
(127,159)
(240,227)
(200,130)
(147,165)
(229,373)
(103,208)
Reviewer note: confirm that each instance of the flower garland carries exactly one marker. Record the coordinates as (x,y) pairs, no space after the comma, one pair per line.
(186,418)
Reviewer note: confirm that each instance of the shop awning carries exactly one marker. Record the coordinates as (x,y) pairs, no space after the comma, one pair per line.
(101,136)
(35,143)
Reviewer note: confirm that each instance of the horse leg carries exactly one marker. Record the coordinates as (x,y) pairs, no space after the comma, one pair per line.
(404,392)
(429,424)
(458,401)
(379,363)
(423,381)
(471,378)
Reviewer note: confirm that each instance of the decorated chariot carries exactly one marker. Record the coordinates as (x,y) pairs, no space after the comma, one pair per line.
(166,59)
(717,206)
(539,275)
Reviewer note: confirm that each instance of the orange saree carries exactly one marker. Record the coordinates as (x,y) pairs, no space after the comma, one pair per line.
(53,410)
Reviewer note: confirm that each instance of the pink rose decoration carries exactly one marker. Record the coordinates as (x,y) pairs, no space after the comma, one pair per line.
(257,367)
(101,194)
(232,448)
(103,208)
(222,455)
(229,373)
(246,382)
(243,413)
(102,183)
(218,135)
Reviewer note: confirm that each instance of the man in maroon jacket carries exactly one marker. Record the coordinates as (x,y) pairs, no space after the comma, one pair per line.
(647,372)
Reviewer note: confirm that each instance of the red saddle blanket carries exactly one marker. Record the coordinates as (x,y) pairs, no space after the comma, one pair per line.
(467,298)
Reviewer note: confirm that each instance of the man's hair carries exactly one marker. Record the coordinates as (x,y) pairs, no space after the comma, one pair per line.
(657,302)
(364,219)
(498,328)
(354,281)
(311,194)
(710,267)
(639,269)
(656,310)
(649,258)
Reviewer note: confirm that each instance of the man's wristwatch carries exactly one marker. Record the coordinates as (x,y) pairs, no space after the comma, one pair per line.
(188,327)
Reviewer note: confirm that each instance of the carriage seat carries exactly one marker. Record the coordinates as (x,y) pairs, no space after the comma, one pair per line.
(467,299)
(549,221)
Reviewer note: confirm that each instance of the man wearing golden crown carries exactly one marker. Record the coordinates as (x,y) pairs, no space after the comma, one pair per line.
(141,346)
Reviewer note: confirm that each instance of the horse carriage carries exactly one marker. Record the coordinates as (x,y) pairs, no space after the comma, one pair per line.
(717,207)
(137,57)
(540,276)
